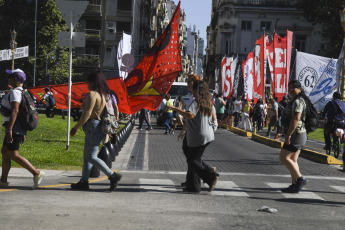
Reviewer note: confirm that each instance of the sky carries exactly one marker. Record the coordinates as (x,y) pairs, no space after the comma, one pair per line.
(198,12)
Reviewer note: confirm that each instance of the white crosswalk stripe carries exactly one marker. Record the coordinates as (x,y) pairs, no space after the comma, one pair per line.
(228,188)
(339,188)
(157,185)
(301,195)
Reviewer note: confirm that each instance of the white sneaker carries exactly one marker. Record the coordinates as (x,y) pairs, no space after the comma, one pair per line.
(38,179)
(4,184)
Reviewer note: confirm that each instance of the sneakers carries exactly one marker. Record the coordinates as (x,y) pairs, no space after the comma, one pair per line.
(172,132)
(291,189)
(301,182)
(80,186)
(166,133)
(38,179)
(114,180)
(139,128)
(4,184)
(149,128)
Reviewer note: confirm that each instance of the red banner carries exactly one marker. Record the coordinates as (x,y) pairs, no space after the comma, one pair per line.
(248,77)
(279,58)
(152,78)
(79,92)
(259,66)
(227,87)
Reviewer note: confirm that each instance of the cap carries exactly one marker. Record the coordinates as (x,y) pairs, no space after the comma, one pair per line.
(18,74)
(46,89)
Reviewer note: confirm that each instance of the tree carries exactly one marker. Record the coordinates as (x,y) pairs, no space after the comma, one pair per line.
(326,13)
(49,23)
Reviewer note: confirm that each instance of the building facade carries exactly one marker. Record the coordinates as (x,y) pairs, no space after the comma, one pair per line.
(237,24)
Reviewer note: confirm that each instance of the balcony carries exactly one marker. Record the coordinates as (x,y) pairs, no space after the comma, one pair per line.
(290,3)
(94,8)
(88,60)
(92,35)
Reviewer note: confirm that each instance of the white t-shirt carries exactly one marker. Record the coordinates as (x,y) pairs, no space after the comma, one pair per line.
(15,95)
(237,106)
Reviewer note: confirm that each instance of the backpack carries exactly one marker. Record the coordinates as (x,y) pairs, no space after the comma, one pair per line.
(109,123)
(309,115)
(257,112)
(51,100)
(28,115)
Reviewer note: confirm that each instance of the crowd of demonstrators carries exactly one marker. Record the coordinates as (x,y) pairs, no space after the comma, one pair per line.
(144,116)
(246,124)
(15,133)
(93,107)
(198,134)
(220,107)
(237,110)
(178,117)
(334,112)
(295,136)
(274,117)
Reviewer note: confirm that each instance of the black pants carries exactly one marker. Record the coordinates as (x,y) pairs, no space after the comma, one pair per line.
(143,117)
(197,168)
(50,111)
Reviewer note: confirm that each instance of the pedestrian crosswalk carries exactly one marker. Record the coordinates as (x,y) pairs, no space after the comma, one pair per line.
(229,188)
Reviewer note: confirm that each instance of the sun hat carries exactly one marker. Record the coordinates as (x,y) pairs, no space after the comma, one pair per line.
(18,74)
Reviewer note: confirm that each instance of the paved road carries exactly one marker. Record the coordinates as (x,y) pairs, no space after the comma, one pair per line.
(149,195)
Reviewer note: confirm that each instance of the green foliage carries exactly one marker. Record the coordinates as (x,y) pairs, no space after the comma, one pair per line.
(49,23)
(327,14)
(45,147)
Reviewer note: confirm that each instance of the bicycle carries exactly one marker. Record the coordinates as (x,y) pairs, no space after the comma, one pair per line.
(335,146)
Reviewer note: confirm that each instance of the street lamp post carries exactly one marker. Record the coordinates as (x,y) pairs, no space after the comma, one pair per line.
(13,45)
(342,18)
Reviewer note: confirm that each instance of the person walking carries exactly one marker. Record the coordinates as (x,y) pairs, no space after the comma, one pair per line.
(258,114)
(15,134)
(143,116)
(237,109)
(168,113)
(49,103)
(273,116)
(220,106)
(179,119)
(197,134)
(93,107)
(295,136)
(245,116)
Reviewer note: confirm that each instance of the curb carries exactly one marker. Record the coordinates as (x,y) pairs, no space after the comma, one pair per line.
(306,153)
(267,141)
(240,131)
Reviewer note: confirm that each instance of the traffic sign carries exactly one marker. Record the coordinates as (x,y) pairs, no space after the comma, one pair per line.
(76,7)
(77,41)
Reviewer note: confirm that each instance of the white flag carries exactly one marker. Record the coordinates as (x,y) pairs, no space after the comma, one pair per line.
(124,47)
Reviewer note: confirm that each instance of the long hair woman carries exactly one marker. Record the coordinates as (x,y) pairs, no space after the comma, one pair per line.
(93,107)
(198,134)
(295,136)
(15,134)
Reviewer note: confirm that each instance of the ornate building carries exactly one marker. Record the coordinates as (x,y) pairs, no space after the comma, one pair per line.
(237,24)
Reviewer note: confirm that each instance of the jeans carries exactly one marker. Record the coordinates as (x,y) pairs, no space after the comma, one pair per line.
(259,123)
(273,122)
(237,118)
(167,118)
(143,117)
(93,137)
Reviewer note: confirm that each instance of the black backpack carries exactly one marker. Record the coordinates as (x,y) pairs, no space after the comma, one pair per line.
(28,115)
(51,100)
(257,112)
(309,115)
(280,109)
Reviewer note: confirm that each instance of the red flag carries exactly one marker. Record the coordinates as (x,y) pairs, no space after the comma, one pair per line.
(260,60)
(154,75)
(79,92)
(248,77)
(279,62)
(227,88)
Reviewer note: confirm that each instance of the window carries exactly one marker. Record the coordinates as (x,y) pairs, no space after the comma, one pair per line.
(123,26)
(246,25)
(265,26)
(227,47)
(124,5)
(300,42)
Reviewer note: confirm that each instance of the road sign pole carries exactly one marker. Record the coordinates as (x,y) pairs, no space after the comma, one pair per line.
(69,81)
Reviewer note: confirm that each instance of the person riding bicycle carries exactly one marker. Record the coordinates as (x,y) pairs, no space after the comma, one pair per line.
(334,112)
